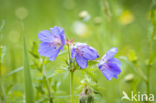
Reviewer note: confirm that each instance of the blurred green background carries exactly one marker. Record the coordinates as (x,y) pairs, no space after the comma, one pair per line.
(128,25)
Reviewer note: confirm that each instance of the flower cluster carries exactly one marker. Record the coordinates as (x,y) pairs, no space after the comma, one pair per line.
(54,40)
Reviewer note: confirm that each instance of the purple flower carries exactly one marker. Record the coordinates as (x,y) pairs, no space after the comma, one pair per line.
(82,53)
(110,66)
(52,42)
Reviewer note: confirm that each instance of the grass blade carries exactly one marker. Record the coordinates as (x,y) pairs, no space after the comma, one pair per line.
(16,70)
(29,96)
(3,97)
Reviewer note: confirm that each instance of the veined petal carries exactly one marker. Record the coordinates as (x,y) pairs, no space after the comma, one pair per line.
(45,36)
(90,53)
(110,66)
(58,32)
(115,61)
(73,54)
(101,63)
(62,37)
(48,50)
(54,55)
(78,44)
(110,54)
(114,66)
(81,61)
(110,69)
(107,73)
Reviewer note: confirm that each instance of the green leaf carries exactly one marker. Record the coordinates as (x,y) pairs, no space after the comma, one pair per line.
(152,56)
(3,92)
(92,62)
(61,70)
(9,88)
(90,73)
(2,52)
(16,70)
(29,95)
(34,51)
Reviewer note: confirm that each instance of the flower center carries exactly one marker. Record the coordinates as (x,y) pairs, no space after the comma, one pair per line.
(56,42)
(105,66)
(80,51)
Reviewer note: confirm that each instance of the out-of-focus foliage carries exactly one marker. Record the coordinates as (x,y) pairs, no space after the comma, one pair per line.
(129,25)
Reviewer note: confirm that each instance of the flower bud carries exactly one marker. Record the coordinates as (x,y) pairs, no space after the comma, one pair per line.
(84,15)
(86,96)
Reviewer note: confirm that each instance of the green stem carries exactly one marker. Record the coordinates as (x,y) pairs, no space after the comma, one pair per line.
(72,76)
(0,69)
(2,91)
(69,56)
(106,9)
(71,86)
(48,86)
(4,98)
(141,73)
(148,81)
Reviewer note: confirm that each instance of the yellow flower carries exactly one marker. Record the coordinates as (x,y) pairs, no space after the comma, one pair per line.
(126,17)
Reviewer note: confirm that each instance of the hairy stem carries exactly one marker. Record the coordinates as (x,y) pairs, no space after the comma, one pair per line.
(48,86)
(148,81)
(69,56)
(71,86)
(0,68)
(72,76)
(141,73)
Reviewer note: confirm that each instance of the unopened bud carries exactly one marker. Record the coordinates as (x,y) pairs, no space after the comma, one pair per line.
(84,15)
(86,96)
